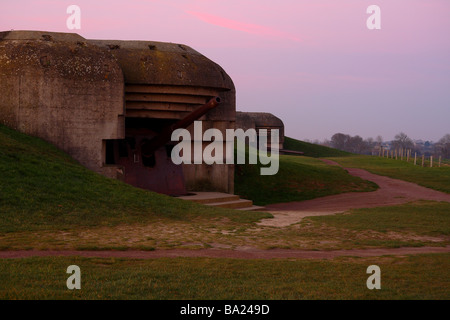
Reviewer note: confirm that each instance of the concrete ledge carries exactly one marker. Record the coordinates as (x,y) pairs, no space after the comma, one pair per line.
(222,200)
(210,197)
(241,203)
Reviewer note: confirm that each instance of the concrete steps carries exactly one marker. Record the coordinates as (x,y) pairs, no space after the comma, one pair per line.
(222,200)
(237,204)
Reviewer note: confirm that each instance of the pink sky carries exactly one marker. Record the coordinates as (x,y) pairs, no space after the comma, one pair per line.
(314,64)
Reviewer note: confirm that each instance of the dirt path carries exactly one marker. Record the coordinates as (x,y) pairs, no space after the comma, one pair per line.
(240,253)
(391,192)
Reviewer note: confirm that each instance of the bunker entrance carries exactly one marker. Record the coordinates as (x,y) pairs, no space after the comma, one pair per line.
(144,156)
(142,165)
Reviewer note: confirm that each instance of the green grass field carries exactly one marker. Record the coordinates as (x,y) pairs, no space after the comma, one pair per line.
(48,201)
(412,277)
(422,218)
(434,178)
(412,224)
(417,224)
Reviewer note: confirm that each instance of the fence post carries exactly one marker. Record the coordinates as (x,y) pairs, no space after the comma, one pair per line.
(423,160)
(440,158)
(415,158)
(431,161)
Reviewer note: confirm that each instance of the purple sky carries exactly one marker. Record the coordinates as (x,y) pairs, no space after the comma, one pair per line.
(314,64)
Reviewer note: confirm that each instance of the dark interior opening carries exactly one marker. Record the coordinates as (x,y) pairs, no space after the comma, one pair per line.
(149,161)
(109,152)
(131,142)
(148,157)
(169,148)
(123,149)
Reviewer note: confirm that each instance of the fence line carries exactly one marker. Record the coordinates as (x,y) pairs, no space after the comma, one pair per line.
(407,154)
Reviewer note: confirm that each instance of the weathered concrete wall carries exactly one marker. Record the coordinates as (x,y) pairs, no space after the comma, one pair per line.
(218,177)
(64,90)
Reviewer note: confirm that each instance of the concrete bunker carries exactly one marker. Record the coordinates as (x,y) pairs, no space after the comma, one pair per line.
(261,120)
(110,104)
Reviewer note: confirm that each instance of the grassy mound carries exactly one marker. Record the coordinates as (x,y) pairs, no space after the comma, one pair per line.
(312,150)
(41,188)
(298,178)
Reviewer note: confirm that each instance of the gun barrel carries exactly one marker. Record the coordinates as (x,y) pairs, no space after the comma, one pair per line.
(197,113)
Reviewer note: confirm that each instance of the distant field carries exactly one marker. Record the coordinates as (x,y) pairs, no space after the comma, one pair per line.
(434,178)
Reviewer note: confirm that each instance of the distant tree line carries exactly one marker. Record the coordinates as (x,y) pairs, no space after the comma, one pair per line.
(348,143)
(358,145)
(443,147)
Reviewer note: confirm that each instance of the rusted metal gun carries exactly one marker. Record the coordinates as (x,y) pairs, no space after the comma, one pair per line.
(149,148)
